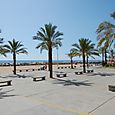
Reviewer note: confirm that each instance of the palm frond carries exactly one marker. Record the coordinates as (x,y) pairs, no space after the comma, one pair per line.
(1,40)
(113,15)
(49,37)
(15,46)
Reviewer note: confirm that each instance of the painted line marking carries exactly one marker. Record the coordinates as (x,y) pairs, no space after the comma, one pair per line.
(57,106)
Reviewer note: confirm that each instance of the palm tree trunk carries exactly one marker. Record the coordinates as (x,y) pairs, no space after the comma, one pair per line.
(105,57)
(50,62)
(84,70)
(71,63)
(102,57)
(14,63)
(87,62)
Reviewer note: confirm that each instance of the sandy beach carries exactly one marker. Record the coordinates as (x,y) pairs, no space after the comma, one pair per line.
(9,69)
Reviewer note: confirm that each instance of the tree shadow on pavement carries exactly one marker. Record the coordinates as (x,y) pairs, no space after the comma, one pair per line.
(23,76)
(4,94)
(72,82)
(19,76)
(103,74)
(3,77)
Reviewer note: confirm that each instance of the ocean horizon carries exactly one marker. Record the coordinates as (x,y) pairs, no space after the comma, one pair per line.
(42,61)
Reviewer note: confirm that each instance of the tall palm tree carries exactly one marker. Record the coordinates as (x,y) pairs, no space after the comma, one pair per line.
(71,55)
(81,49)
(105,36)
(15,47)
(49,38)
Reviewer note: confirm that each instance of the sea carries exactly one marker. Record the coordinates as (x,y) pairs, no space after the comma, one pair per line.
(41,61)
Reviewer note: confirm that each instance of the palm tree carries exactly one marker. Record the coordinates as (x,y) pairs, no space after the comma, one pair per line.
(50,38)
(15,47)
(71,55)
(105,36)
(81,49)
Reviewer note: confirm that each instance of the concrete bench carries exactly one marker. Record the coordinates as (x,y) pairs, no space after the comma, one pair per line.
(61,74)
(111,88)
(5,83)
(38,78)
(28,70)
(90,70)
(79,72)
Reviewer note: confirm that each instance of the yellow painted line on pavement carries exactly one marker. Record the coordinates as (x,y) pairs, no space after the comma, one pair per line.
(52,105)
(81,113)
(57,106)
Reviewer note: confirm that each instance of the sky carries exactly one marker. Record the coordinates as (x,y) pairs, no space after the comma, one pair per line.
(21,19)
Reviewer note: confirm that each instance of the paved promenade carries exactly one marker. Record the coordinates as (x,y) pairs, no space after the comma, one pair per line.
(85,94)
